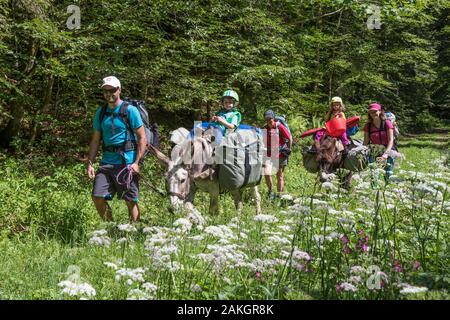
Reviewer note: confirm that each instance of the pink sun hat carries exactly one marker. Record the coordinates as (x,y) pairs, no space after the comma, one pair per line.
(374,106)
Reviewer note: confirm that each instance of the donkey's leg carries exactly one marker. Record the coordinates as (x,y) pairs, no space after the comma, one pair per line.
(347,181)
(237,197)
(189,204)
(214,198)
(257,199)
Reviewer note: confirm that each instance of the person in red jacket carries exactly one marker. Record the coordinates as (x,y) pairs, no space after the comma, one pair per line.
(278,142)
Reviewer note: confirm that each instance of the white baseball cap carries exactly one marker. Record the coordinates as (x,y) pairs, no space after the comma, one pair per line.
(111,81)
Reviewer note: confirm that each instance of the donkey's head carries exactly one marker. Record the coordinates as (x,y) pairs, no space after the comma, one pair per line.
(328,157)
(186,166)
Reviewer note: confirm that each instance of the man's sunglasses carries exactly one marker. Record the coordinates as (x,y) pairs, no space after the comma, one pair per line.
(110,91)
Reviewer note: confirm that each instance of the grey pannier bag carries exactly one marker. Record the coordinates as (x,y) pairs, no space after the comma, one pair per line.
(309,159)
(357,158)
(239,158)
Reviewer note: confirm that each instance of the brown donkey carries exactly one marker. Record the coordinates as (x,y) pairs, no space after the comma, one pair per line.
(330,158)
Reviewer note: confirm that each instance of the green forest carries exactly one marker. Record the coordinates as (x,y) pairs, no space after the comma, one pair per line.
(179,56)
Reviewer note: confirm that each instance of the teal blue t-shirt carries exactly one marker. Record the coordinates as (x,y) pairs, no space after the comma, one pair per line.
(114,133)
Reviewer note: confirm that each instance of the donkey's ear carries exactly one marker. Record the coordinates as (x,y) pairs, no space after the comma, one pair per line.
(159,155)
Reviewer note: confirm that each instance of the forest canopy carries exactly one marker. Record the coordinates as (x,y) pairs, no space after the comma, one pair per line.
(179,56)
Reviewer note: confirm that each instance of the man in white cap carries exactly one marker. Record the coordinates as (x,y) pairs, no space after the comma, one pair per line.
(120,127)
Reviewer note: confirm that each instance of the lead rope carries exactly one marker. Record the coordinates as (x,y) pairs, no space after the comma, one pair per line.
(127,174)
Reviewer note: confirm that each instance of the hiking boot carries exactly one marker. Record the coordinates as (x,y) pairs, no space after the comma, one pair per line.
(271,195)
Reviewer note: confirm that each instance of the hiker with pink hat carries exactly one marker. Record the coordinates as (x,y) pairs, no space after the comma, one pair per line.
(379,131)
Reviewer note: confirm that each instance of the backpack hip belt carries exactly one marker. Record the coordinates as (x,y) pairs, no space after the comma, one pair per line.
(130,145)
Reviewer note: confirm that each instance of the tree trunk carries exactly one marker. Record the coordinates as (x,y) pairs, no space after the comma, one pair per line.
(44,110)
(13,127)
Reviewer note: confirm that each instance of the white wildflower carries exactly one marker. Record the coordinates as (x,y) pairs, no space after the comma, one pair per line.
(137,294)
(333,212)
(285,228)
(76,289)
(265,218)
(243,235)
(183,225)
(328,186)
(390,206)
(196,288)
(99,233)
(287,197)
(357,270)
(174,266)
(197,238)
(150,287)
(300,209)
(221,231)
(100,241)
(409,289)
(111,265)
(196,217)
(147,230)
(424,189)
(300,255)
(224,256)
(334,235)
(131,275)
(126,227)
(278,240)
(355,279)
(345,286)
(348,221)
(121,240)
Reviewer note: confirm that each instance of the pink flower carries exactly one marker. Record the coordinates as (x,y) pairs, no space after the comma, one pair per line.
(345,239)
(416,265)
(347,249)
(258,275)
(363,241)
(397,266)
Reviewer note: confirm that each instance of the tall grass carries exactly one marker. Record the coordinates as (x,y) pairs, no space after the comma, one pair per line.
(323,243)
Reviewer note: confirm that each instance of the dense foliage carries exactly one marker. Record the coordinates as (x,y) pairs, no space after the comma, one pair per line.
(180,55)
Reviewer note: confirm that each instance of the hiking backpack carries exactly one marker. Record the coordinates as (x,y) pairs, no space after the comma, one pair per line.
(283,148)
(391,117)
(151,130)
(282,119)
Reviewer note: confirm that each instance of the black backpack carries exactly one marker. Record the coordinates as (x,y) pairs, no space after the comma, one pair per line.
(151,129)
